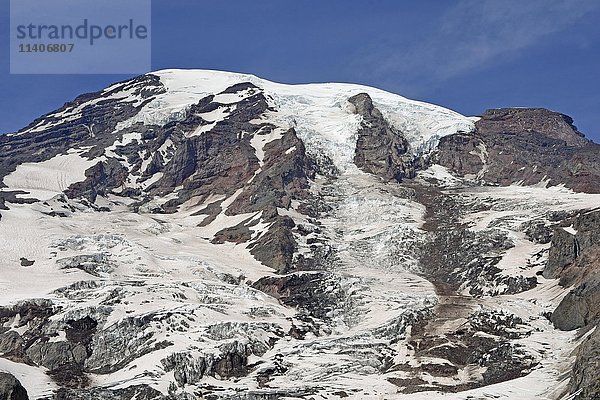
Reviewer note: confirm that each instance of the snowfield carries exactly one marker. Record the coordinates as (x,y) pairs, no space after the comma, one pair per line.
(47,179)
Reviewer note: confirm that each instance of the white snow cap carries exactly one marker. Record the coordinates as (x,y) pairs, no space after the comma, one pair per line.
(319,112)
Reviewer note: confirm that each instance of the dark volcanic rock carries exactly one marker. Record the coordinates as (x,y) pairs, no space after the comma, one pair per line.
(580,306)
(523,145)
(217,162)
(525,121)
(316,295)
(57,355)
(11,388)
(575,259)
(380,148)
(566,246)
(584,377)
(100,179)
(35,315)
(26,263)
(93,126)
(284,176)
(563,251)
(276,247)
(458,256)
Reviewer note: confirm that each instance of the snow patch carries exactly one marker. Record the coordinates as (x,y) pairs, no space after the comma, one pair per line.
(49,178)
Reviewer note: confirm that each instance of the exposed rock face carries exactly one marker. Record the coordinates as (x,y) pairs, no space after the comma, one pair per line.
(524,121)
(276,247)
(304,290)
(218,161)
(575,258)
(284,176)
(575,237)
(100,179)
(584,378)
(580,307)
(524,145)
(35,315)
(95,117)
(451,243)
(11,389)
(563,251)
(380,148)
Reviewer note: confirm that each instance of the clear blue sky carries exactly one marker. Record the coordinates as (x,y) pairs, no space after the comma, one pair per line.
(468,55)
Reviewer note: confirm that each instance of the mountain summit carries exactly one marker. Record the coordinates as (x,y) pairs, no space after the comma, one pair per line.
(193,234)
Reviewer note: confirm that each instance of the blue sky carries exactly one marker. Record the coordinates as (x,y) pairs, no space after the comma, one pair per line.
(467,55)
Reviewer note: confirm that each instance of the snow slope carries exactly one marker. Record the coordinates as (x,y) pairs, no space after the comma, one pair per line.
(46,179)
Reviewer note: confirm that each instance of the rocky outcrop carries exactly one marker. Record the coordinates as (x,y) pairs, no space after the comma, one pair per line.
(221,160)
(231,361)
(35,340)
(11,388)
(33,314)
(283,177)
(276,247)
(57,355)
(580,307)
(584,381)
(574,237)
(317,295)
(563,251)
(525,121)
(463,258)
(100,180)
(574,258)
(380,148)
(526,146)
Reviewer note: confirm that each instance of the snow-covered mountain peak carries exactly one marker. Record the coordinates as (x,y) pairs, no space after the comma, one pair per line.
(318,111)
(192,234)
